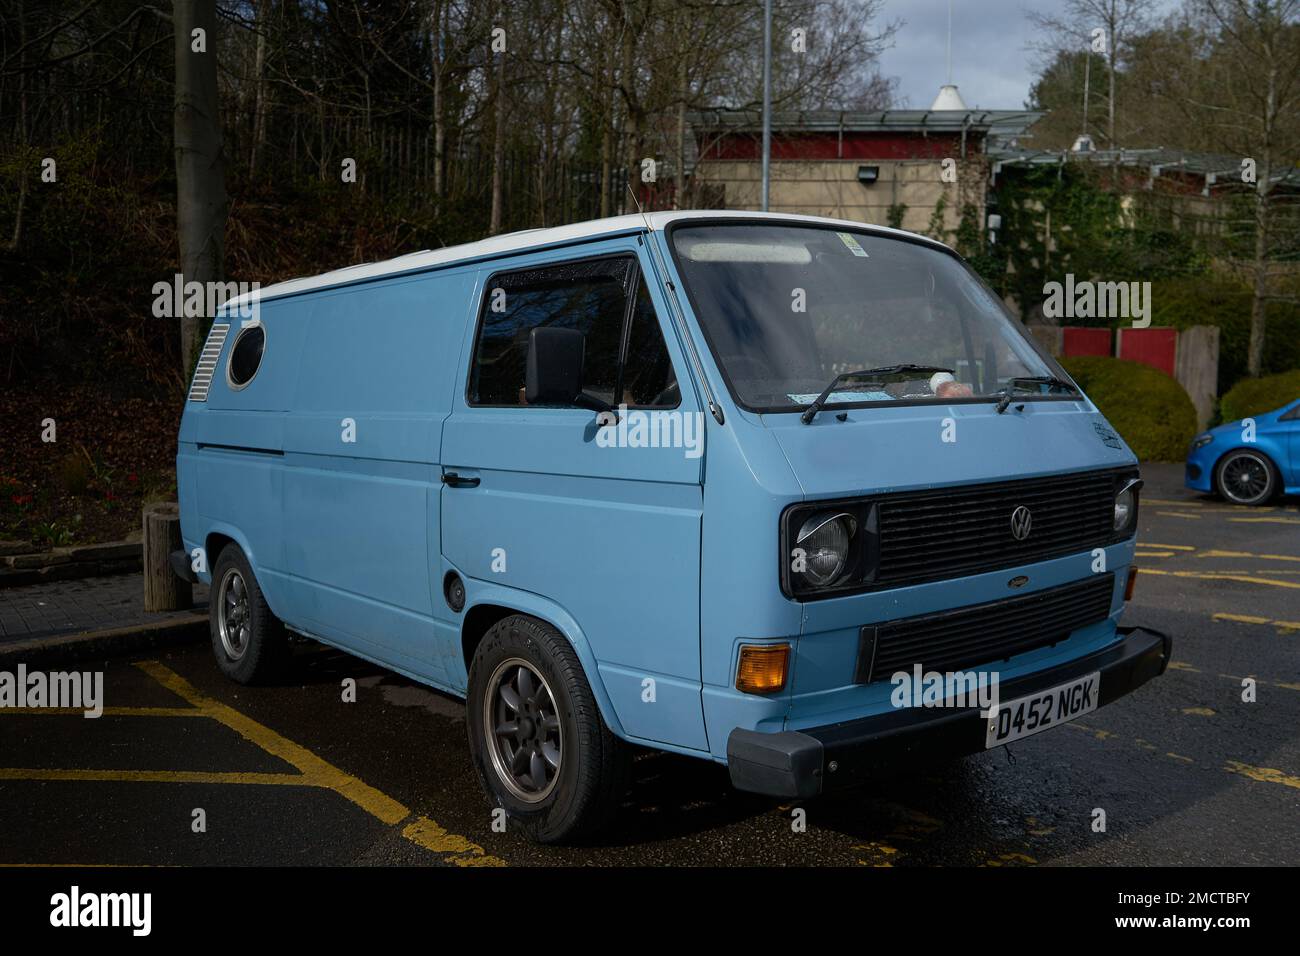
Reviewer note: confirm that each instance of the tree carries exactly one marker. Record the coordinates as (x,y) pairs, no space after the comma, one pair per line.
(1236,73)
(1074,30)
(200,174)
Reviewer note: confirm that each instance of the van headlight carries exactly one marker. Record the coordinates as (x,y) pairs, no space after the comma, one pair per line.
(1200,441)
(1126,503)
(826,549)
(824,540)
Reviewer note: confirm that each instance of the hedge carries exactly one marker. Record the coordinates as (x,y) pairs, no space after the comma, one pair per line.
(1147,407)
(1220,301)
(1254,396)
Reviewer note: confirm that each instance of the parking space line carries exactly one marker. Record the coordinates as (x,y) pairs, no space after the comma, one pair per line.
(155,776)
(1283,626)
(1213,576)
(1179,514)
(108,711)
(1247,554)
(1267,520)
(1264,774)
(318,772)
(1168,547)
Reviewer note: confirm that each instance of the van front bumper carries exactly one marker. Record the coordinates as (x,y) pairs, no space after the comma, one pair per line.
(804,763)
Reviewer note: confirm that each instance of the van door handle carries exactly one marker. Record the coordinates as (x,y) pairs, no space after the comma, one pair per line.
(459,481)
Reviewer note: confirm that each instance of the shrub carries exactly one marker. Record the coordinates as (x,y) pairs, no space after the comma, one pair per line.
(1223,302)
(1254,396)
(1147,407)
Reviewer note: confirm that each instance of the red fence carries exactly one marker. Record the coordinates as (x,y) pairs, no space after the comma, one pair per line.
(1076,340)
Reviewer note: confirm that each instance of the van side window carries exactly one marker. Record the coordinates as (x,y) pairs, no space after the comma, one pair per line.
(586,296)
(648,378)
(591,297)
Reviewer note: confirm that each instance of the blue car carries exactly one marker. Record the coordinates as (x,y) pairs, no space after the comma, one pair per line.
(1248,462)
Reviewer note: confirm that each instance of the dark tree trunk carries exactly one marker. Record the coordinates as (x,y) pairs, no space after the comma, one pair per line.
(200,173)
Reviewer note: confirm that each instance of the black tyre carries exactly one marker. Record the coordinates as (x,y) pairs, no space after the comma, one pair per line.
(540,746)
(249,641)
(1246,477)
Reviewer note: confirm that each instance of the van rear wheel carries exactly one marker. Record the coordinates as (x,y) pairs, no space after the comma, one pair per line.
(249,641)
(540,746)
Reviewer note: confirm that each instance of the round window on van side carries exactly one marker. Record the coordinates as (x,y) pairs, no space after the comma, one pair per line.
(245,356)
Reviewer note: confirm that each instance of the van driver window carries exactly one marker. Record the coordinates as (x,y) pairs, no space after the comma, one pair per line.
(589,297)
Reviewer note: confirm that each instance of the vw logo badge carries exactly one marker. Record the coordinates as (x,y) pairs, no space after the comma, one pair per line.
(1021,522)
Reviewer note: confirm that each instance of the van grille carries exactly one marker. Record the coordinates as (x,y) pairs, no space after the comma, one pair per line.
(983,633)
(948,532)
(207,365)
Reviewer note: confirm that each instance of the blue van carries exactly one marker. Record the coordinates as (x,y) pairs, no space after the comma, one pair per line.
(711,483)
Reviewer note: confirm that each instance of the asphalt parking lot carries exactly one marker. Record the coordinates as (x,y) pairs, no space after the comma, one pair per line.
(1185,770)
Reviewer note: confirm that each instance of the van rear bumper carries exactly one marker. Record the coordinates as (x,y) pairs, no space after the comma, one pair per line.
(180,564)
(804,763)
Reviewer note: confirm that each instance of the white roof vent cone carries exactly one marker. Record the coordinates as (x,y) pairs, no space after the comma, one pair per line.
(948,98)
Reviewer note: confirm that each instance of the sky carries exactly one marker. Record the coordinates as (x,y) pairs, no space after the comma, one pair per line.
(990,63)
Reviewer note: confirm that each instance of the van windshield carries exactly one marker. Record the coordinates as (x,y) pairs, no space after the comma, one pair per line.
(788,308)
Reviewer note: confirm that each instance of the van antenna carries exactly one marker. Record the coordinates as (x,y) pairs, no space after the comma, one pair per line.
(644,217)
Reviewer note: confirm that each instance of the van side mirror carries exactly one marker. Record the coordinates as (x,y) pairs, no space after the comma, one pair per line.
(555,357)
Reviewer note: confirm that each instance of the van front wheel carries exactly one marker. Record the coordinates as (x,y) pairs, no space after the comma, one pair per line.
(540,746)
(248,640)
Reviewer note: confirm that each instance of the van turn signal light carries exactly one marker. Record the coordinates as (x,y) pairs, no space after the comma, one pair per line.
(762,668)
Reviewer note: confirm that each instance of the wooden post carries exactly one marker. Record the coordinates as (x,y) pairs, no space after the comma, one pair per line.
(163,590)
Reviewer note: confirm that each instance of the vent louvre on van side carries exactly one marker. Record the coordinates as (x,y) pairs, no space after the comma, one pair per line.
(207,365)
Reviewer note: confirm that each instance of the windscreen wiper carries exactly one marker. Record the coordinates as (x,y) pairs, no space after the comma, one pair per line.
(1049,380)
(811,411)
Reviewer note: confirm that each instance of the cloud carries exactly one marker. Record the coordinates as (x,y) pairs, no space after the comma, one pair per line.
(991,64)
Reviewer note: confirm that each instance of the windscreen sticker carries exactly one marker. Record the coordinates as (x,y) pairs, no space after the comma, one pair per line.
(849,240)
(841,397)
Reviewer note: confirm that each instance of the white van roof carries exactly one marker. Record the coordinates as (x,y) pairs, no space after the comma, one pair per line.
(535,239)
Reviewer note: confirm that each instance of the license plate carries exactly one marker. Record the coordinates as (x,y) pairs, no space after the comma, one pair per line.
(1029,715)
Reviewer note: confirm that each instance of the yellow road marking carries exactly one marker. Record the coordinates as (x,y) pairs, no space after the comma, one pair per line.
(1179,514)
(66,866)
(1153,554)
(1247,554)
(320,773)
(1009,859)
(1171,547)
(1267,520)
(154,776)
(1094,731)
(109,711)
(1252,619)
(1183,666)
(316,770)
(1265,774)
(424,832)
(882,852)
(1212,576)
(1198,711)
(1240,618)
(1180,757)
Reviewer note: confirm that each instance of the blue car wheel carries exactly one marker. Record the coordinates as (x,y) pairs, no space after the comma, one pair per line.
(1246,477)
